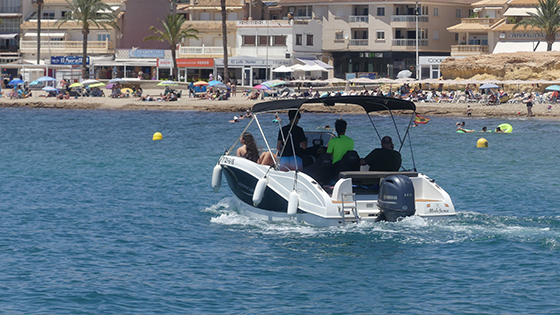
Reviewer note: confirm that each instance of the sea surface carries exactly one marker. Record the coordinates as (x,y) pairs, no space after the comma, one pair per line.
(96,218)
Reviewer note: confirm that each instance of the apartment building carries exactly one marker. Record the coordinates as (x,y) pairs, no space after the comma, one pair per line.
(378,38)
(11,16)
(489,29)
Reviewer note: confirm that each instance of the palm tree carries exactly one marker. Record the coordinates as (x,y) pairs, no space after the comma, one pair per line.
(224,39)
(88,14)
(547,20)
(39,13)
(173,33)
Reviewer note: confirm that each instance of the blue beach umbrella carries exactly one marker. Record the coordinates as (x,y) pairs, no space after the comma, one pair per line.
(15,82)
(46,79)
(212,83)
(553,88)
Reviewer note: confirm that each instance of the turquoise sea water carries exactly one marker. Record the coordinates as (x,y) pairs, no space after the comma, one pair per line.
(99,219)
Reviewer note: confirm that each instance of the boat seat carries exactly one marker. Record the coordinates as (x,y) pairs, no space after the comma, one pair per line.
(368,182)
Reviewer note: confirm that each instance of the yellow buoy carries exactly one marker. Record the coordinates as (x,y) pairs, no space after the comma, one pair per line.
(157,136)
(482,143)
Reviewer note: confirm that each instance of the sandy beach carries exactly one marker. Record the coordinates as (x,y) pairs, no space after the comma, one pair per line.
(238,104)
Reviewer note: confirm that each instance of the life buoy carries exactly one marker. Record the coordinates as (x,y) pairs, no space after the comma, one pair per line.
(506,128)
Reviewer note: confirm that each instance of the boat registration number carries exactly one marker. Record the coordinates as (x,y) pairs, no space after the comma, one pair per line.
(227,160)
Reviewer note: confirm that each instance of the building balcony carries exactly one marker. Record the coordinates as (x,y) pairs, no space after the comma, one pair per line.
(264,23)
(67,47)
(202,51)
(483,21)
(409,43)
(358,42)
(407,21)
(358,19)
(469,50)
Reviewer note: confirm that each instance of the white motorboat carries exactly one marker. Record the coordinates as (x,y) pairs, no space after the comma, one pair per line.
(314,195)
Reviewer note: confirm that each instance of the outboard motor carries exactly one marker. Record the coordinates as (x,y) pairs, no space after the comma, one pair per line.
(396,198)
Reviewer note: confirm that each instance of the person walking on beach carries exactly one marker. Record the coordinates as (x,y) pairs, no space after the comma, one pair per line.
(529,103)
(469,111)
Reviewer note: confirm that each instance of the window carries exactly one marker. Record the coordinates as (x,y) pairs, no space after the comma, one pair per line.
(299,39)
(458,13)
(309,40)
(436,35)
(279,40)
(380,11)
(425,10)
(339,35)
(456,37)
(263,41)
(48,15)
(64,13)
(380,35)
(436,11)
(248,40)
(424,33)
(103,37)
(10,25)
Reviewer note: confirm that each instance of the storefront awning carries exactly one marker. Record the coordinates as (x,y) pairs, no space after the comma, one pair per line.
(313,61)
(516,46)
(520,11)
(45,34)
(8,36)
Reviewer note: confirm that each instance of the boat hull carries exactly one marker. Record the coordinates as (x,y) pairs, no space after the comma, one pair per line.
(316,206)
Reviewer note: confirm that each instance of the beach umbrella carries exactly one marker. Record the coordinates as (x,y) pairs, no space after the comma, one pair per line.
(214,82)
(220,86)
(46,79)
(98,84)
(90,81)
(404,74)
(334,80)
(261,87)
(274,83)
(283,69)
(76,84)
(118,80)
(49,88)
(553,88)
(109,86)
(489,86)
(15,82)
(200,83)
(166,83)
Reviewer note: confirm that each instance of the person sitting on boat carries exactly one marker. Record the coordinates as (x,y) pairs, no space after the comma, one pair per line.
(338,146)
(249,150)
(384,158)
(292,155)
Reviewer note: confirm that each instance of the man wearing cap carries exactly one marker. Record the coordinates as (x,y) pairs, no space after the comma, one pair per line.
(384,158)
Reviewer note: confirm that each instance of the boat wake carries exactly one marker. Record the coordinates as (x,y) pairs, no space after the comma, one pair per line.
(466,227)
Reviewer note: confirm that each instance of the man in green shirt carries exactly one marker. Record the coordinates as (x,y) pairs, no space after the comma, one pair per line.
(340,145)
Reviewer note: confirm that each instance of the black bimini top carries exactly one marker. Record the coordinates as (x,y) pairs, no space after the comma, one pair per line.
(369,103)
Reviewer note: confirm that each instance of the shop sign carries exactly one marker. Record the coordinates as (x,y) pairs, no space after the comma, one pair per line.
(67,60)
(253,62)
(433,60)
(195,63)
(146,53)
(164,62)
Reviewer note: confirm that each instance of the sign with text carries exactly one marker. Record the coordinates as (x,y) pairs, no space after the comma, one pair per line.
(67,60)
(146,53)
(195,63)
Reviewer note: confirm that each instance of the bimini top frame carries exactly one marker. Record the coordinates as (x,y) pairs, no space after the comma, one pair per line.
(368,103)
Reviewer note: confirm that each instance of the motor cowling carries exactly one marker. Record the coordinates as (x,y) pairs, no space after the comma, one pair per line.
(396,198)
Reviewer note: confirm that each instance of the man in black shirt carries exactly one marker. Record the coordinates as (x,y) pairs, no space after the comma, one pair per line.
(291,157)
(384,158)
